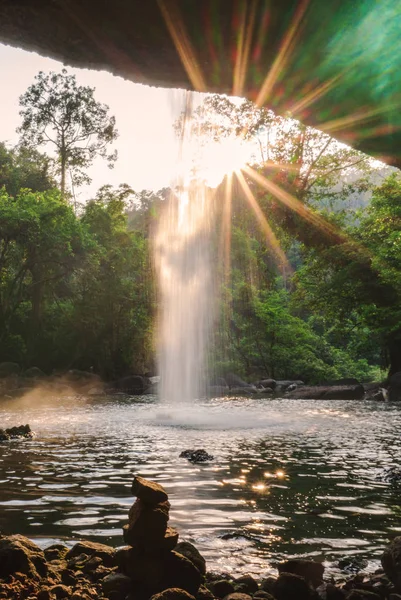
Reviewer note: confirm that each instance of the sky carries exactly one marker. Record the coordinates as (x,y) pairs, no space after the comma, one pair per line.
(145,115)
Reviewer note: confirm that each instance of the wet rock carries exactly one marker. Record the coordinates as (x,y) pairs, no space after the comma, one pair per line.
(250,585)
(319,392)
(20,431)
(352,564)
(197,456)
(106,553)
(391,562)
(222,588)
(238,596)
(19,555)
(291,587)
(173,594)
(191,553)
(117,584)
(148,491)
(310,570)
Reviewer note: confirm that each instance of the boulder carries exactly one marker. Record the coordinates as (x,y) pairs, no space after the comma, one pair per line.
(191,553)
(117,585)
(266,383)
(148,491)
(291,587)
(242,391)
(173,594)
(197,456)
(283,384)
(222,588)
(9,368)
(147,523)
(106,553)
(233,381)
(34,373)
(262,595)
(238,596)
(391,562)
(157,572)
(55,552)
(352,564)
(310,570)
(248,582)
(133,384)
(320,392)
(204,594)
(19,555)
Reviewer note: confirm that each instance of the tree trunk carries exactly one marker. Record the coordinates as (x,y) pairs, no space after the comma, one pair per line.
(394,350)
(63,160)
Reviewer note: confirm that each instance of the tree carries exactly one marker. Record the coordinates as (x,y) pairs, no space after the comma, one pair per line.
(59,112)
(24,168)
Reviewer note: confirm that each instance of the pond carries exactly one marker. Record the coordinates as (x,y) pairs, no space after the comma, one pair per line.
(290,478)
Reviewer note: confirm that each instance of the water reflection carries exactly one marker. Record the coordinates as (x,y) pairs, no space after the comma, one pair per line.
(295,478)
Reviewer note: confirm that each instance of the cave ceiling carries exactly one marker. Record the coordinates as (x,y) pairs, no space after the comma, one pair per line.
(333,64)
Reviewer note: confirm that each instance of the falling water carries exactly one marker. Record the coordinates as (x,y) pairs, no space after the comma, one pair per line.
(183,262)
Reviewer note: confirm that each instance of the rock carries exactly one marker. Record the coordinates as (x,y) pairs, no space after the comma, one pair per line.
(34,373)
(173,594)
(191,553)
(362,595)
(197,456)
(238,596)
(216,391)
(222,588)
(148,491)
(391,562)
(117,584)
(19,431)
(268,584)
(204,594)
(133,384)
(319,392)
(55,552)
(147,523)
(44,594)
(267,383)
(149,544)
(377,395)
(250,585)
(310,570)
(352,564)
(329,591)
(242,391)
(61,591)
(283,384)
(9,368)
(233,381)
(262,595)
(19,555)
(157,572)
(106,553)
(291,587)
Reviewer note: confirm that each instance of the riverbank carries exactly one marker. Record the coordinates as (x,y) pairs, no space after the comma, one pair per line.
(155,565)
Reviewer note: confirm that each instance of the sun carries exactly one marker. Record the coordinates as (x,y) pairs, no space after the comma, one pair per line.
(223,158)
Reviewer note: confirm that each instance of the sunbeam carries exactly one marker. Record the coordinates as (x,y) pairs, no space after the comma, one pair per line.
(271,238)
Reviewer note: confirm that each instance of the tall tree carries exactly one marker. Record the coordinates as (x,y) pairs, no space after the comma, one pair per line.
(57,111)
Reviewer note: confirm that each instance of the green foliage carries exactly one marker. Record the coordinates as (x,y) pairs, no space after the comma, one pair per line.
(56,111)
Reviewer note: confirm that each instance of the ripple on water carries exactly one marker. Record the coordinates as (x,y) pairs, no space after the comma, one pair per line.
(290,478)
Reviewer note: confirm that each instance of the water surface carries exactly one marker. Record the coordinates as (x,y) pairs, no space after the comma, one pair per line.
(290,477)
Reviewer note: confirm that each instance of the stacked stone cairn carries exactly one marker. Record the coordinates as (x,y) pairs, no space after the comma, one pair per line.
(150,559)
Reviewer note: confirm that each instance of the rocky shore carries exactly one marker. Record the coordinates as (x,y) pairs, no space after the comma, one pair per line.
(155,565)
